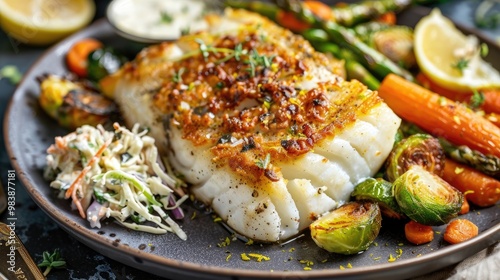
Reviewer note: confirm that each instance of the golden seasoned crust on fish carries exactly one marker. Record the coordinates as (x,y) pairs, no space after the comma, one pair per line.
(265,129)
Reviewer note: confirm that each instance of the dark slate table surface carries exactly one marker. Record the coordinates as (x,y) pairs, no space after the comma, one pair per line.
(39,233)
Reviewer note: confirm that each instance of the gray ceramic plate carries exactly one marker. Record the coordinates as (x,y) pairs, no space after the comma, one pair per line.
(29,132)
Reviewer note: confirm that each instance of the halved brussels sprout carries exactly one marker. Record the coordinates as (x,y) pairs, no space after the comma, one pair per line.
(394,41)
(348,229)
(426,198)
(380,191)
(418,149)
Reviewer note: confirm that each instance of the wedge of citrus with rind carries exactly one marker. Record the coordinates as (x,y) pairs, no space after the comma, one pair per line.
(449,57)
(42,22)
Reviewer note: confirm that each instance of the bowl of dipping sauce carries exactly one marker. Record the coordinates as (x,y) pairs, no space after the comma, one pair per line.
(154,21)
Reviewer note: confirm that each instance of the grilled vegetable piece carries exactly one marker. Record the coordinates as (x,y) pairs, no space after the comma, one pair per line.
(102,62)
(363,11)
(487,164)
(344,37)
(460,230)
(393,41)
(346,15)
(348,229)
(354,70)
(480,189)
(378,190)
(426,198)
(417,149)
(76,58)
(74,103)
(417,233)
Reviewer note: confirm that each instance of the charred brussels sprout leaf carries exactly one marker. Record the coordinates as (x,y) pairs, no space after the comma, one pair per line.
(379,191)
(426,198)
(417,149)
(102,62)
(348,229)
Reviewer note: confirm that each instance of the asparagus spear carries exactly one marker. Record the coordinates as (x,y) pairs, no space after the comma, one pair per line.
(488,164)
(346,15)
(344,37)
(266,9)
(350,15)
(319,40)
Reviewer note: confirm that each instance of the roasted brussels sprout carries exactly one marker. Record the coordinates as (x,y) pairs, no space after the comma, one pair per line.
(417,149)
(74,103)
(394,41)
(426,198)
(102,62)
(348,229)
(379,191)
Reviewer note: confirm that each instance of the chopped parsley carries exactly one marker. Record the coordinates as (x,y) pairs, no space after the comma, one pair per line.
(461,64)
(477,99)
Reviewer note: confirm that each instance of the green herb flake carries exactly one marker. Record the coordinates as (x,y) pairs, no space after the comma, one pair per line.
(177,78)
(461,64)
(263,164)
(166,17)
(11,73)
(477,99)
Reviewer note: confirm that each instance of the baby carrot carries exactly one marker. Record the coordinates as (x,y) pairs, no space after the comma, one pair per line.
(465,207)
(417,233)
(460,230)
(490,104)
(480,189)
(439,115)
(290,21)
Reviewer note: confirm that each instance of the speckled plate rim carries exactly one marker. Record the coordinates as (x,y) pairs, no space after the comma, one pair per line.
(180,269)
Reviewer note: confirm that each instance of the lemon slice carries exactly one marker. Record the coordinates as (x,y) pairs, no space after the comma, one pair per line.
(450,58)
(42,22)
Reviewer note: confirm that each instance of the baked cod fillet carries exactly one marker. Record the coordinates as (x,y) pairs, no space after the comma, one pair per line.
(264,129)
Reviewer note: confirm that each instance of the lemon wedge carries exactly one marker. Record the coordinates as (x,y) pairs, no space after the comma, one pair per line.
(450,58)
(42,22)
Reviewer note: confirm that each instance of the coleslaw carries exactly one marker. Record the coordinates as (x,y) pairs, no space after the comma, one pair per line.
(115,174)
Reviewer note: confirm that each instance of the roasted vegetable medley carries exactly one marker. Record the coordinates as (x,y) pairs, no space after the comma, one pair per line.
(447,151)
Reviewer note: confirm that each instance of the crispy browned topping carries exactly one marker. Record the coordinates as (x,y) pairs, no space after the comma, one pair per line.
(241,94)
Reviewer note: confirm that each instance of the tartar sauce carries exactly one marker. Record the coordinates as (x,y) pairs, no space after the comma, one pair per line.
(158,19)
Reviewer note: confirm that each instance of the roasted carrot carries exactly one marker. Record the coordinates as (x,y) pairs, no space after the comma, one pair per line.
(388,18)
(429,84)
(491,102)
(478,188)
(465,207)
(417,233)
(290,21)
(76,186)
(493,118)
(439,115)
(76,58)
(460,230)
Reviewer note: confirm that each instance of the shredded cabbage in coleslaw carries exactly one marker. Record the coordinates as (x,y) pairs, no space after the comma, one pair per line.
(115,174)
